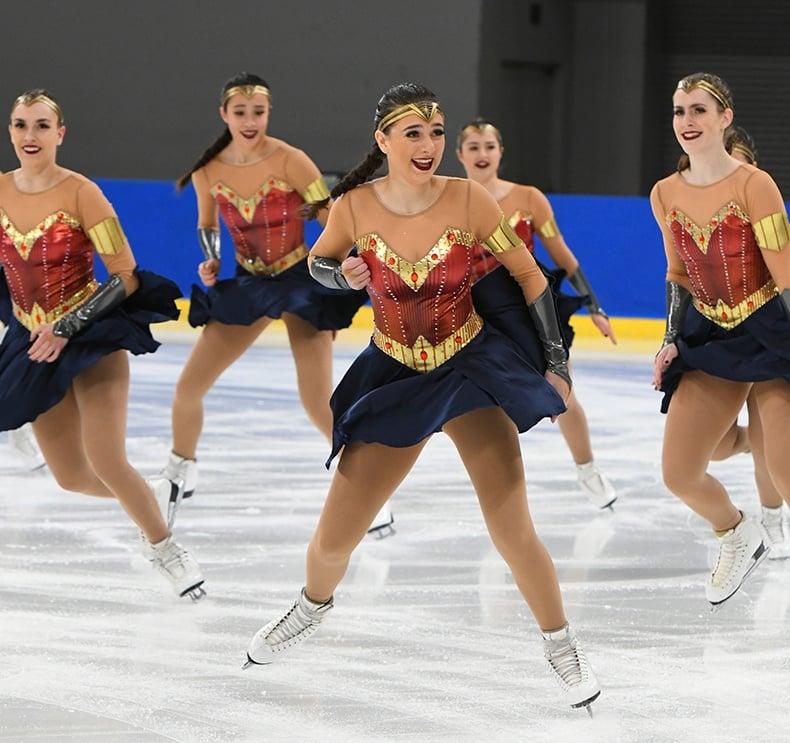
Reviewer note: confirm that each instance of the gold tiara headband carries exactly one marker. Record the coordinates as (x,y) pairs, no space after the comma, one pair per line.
(425,110)
(687,86)
(248,91)
(27,100)
(481,129)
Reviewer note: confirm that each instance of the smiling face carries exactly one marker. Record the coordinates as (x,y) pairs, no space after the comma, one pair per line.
(698,121)
(480,154)
(247,118)
(413,146)
(35,133)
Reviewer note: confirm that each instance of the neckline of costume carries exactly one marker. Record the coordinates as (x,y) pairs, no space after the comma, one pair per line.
(408,214)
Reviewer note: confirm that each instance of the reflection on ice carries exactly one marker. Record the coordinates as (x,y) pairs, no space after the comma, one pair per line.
(429,640)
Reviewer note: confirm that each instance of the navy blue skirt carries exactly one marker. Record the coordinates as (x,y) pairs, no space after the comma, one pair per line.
(29,388)
(756,350)
(247,298)
(498,299)
(383,401)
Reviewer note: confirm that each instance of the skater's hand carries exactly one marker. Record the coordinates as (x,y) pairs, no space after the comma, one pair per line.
(356,272)
(561,386)
(45,345)
(604,326)
(208,271)
(662,361)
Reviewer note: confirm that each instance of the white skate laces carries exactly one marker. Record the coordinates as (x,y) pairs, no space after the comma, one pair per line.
(297,624)
(569,666)
(741,550)
(184,470)
(774,535)
(596,485)
(177,566)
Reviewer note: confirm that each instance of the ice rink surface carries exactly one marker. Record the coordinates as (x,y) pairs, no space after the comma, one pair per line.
(429,640)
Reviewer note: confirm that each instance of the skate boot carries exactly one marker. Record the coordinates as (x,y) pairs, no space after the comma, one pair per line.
(178,468)
(382,524)
(168,495)
(595,484)
(297,624)
(176,565)
(774,534)
(741,550)
(569,666)
(24,441)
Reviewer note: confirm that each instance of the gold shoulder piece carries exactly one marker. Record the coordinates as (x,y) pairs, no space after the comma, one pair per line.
(502,238)
(316,191)
(107,236)
(772,232)
(549,229)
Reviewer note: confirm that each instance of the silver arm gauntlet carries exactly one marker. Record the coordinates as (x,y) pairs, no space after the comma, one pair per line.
(105,299)
(678,300)
(329,272)
(544,316)
(785,295)
(582,286)
(209,242)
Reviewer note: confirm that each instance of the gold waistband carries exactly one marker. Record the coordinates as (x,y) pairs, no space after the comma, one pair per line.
(38,316)
(258,268)
(728,317)
(424,357)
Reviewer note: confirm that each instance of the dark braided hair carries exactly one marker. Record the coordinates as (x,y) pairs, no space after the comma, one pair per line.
(721,94)
(396,96)
(224,139)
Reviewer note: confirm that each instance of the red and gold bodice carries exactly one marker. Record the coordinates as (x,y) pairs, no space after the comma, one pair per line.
(47,246)
(422,311)
(728,275)
(266,227)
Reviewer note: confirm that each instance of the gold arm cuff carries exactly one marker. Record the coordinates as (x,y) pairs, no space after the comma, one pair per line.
(729,317)
(37,316)
(503,238)
(772,232)
(316,191)
(107,236)
(258,268)
(549,229)
(422,356)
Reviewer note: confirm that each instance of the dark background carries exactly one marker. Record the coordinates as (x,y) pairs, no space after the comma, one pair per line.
(580,88)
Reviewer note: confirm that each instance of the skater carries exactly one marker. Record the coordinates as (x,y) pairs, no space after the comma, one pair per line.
(742,439)
(257,184)
(725,231)
(432,365)
(480,149)
(63,360)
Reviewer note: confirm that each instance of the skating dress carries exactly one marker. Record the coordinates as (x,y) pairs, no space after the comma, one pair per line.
(259,204)
(717,240)
(47,246)
(431,357)
(496,295)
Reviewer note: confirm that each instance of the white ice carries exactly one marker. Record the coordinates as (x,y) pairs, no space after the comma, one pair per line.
(429,640)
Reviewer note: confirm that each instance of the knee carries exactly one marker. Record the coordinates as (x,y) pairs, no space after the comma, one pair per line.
(676,479)
(331,548)
(76,481)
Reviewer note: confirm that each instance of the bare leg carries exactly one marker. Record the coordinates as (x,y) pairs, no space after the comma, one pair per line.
(487,441)
(772,400)
(702,410)
(312,352)
(770,497)
(574,428)
(366,477)
(217,347)
(735,441)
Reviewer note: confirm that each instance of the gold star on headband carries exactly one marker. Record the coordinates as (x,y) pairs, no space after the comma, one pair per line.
(425,110)
(688,85)
(248,91)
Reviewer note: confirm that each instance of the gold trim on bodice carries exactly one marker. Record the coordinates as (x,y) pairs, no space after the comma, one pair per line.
(728,317)
(247,207)
(259,268)
(772,232)
(414,275)
(107,236)
(519,216)
(37,316)
(424,357)
(702,235)
(24,241)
